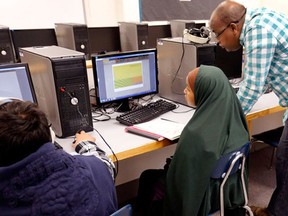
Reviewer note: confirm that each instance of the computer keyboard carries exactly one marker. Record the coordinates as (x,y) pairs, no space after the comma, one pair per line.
(146,112)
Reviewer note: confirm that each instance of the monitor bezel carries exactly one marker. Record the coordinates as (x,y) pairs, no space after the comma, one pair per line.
(28,75)
(115,54)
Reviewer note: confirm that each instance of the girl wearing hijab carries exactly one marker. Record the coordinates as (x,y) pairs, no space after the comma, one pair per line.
(217,127)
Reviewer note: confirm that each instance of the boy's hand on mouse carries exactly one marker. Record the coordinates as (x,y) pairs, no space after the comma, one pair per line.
(82,136)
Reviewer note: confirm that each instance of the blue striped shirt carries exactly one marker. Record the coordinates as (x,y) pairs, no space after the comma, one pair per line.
(265,39)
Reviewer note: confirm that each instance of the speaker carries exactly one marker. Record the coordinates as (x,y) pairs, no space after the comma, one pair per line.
(133,36)
(73,36)
(59,77)
(7,52)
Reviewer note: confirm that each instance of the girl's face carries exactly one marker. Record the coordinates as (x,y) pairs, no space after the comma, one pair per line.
(189,95)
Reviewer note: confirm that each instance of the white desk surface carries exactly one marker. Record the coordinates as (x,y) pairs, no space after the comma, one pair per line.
(266,101)
(121,141)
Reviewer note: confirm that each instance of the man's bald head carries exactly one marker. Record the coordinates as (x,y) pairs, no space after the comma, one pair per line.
(225,13)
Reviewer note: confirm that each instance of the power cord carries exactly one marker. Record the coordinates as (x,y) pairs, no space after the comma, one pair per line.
(114,155)
(177,71)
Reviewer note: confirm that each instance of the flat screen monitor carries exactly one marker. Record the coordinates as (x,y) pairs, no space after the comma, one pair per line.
(229,62)
(15,82)
(122,76)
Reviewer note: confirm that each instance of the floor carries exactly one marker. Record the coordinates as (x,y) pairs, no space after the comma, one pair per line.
(262,179)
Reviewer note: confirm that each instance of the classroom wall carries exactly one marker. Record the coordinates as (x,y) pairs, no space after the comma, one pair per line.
(37,14)
(109,12)
(277,5)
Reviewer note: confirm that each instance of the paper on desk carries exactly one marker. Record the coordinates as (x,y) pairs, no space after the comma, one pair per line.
(166,128)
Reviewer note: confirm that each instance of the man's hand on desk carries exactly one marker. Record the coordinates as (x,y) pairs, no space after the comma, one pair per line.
(82,136)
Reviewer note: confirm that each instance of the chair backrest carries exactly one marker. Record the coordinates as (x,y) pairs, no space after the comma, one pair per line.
(124,211)
(227,165)
(224,162)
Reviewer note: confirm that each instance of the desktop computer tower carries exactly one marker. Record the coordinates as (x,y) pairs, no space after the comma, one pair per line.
(59,77)
(133,36)
(176,58)
(178,26)
(7,52)
(73,36)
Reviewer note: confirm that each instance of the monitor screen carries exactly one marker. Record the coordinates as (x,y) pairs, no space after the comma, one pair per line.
(229,62)
(125,75)
(15,81)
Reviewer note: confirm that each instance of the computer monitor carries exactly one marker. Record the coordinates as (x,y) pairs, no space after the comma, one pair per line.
(15,82)
(229,62)
(122,76)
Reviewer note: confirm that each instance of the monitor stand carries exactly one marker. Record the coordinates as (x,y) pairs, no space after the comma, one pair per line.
(123,106)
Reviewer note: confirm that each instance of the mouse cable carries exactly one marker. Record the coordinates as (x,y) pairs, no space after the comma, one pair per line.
(114,155)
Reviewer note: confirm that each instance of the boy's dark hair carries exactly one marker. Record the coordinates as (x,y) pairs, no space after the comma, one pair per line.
(23,129)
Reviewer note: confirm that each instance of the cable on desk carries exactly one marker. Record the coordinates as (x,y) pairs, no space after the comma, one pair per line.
(150,98)
(114,155)
(185,111)
(102,110)
(91,95)
(180,64)
(101,114)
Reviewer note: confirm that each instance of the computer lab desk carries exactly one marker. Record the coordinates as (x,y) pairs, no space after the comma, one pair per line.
(126,145)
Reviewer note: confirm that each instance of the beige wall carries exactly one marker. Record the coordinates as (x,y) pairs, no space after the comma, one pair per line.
(19,14)
(277,5)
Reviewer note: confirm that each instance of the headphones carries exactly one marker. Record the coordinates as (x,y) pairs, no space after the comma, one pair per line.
(203,32)
(196,35)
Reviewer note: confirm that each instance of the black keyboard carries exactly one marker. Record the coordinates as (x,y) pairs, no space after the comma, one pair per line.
(146,112)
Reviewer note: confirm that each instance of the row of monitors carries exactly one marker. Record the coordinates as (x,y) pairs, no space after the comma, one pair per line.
(118,77)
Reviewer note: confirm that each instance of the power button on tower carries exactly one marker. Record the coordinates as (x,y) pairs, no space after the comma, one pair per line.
(74,101)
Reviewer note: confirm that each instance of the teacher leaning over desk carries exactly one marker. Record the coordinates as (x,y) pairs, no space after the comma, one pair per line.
(264,35)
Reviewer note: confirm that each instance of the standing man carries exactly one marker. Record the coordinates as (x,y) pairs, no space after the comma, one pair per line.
(264,35)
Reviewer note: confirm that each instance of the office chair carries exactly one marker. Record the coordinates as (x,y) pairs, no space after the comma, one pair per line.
(124,211)
(226,166)
(270,137)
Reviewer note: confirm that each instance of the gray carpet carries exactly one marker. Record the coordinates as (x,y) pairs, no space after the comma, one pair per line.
(262,179)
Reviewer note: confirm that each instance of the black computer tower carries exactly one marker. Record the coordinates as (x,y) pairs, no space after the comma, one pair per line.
(133,36)
(73,36)
(7,52)
(59,76)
